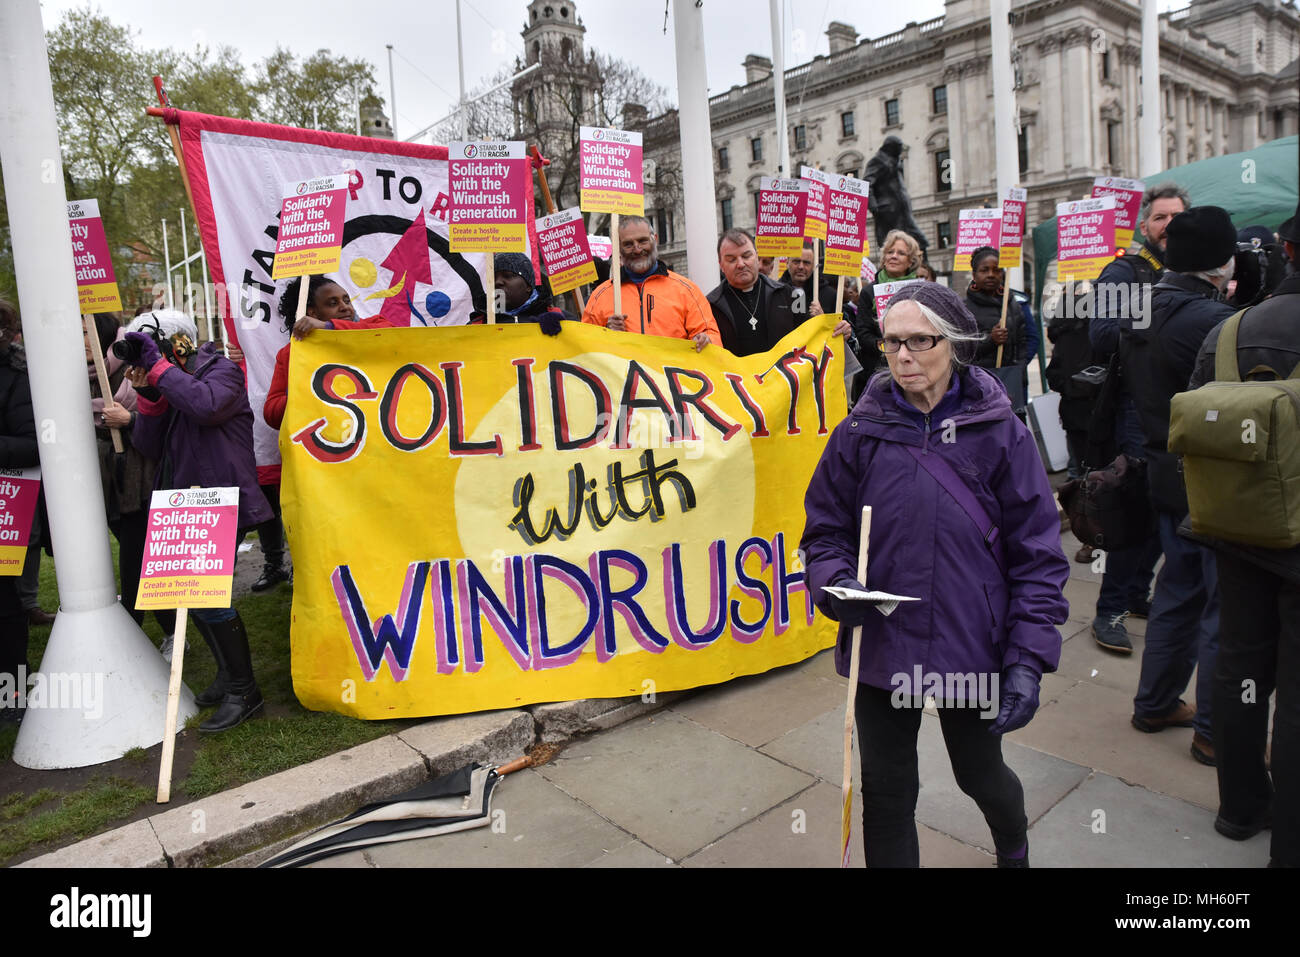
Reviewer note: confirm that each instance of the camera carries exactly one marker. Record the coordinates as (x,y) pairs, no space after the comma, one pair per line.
(1087,383)
(1257,269)
(128,350)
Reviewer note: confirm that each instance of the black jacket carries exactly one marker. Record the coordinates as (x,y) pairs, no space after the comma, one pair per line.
(1157,363)
(778,303)
(987,311)
(18,448)
(825,291)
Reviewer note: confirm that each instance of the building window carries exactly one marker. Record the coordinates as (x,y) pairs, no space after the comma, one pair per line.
(942,171)
(756,149)
(943,231)
(1022,149)
(891,112)
(727,221)
(939,99)
(846,124)
(1105,65)
(724,158)
(664,223)
(801,137)
(1112,144)
(755,194)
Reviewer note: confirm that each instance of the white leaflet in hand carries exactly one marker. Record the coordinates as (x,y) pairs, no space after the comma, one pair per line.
(885,603)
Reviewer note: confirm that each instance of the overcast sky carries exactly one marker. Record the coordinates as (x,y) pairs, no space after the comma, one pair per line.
(423,35)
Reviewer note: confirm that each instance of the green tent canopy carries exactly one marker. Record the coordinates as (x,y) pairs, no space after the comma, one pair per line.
(1269,200)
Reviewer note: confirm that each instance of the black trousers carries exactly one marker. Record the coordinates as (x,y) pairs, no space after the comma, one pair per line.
(1259,653)
(13,631)
(131,530)
(891,782)
(271,532)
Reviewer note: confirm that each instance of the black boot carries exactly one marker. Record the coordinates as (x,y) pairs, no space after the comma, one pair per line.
(242,699)
(272,575)
(217,690)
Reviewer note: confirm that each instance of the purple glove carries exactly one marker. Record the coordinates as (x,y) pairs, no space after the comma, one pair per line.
(149,354)
(1019,699)
(849,611)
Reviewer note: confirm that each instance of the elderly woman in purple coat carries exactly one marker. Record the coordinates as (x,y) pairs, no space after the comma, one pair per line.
(963,520)
(194,418)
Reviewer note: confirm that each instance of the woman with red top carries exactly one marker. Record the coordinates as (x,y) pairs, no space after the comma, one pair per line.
(328,307)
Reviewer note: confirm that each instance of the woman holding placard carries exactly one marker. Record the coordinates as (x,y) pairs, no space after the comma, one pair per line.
(194,417)
(965,521)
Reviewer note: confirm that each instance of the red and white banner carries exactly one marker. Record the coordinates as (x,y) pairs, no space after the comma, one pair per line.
(396,259)
(1011,239)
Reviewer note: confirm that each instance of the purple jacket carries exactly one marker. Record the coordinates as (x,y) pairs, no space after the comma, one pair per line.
(201,430)
(971,618)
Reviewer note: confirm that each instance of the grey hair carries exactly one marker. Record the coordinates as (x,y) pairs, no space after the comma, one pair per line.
(941,325)
(1165,190)
(626,221)
(1224,272)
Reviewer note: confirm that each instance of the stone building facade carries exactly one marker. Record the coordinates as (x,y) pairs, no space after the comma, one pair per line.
(1228,83)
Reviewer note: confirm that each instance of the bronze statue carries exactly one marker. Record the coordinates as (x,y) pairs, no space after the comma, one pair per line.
(891,207)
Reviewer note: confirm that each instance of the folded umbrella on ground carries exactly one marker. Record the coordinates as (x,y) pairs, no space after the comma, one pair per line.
(459,801)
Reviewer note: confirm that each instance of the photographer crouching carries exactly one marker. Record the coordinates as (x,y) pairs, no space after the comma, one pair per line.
(194,418)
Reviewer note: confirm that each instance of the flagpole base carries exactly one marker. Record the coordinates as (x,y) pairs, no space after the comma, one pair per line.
(101,691)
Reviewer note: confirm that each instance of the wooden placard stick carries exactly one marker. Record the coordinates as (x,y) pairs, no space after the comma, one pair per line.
(855,662)
(101,373)
(540,163)
(839,294)
(491,289)
(816,267)
(1002,322)
(615,264)
(173,708)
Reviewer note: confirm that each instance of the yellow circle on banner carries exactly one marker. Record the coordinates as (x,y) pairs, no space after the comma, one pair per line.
(362,272)
(718,476)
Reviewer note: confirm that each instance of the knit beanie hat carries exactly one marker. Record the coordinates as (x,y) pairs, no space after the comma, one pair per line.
(948,305)
(517,263)
(1199,239)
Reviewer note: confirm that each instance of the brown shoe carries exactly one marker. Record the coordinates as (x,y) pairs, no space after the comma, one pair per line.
(39,616)
(1084,555)
(1180,717)
(1203,750)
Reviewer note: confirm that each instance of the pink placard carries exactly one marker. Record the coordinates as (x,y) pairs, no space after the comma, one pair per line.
(610,174)
(846,225)
(782,206)
(310,238)
(19,489)
(1011,237)
(1085,238)
(562,238)
(488,183)
(815,217)
(602,247)
(1128,204)
(885,291)
(96,281)
(975,228)
(189,550)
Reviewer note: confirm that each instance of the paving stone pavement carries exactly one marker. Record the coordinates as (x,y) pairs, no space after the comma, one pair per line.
(747,774)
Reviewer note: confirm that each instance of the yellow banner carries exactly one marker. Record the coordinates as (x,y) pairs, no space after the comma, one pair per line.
(612,201)
(488,238)
(188,591)
(1077,270)
(305,262)
(1009,257)
(102,297)
(485,517)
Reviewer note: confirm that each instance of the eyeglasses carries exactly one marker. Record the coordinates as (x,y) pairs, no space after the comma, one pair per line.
(891,344)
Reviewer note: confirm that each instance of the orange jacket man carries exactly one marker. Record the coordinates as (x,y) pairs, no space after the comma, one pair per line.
(656,300)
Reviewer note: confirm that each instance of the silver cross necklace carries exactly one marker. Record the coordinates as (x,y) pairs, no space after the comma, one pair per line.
(753,313)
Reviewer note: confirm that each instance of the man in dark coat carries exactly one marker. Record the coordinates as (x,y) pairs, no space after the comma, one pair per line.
(1120,298)
(799,274)
(1259,622)
(1158,362)
(18,450)
(753,312)
(194,417)
(520,298)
